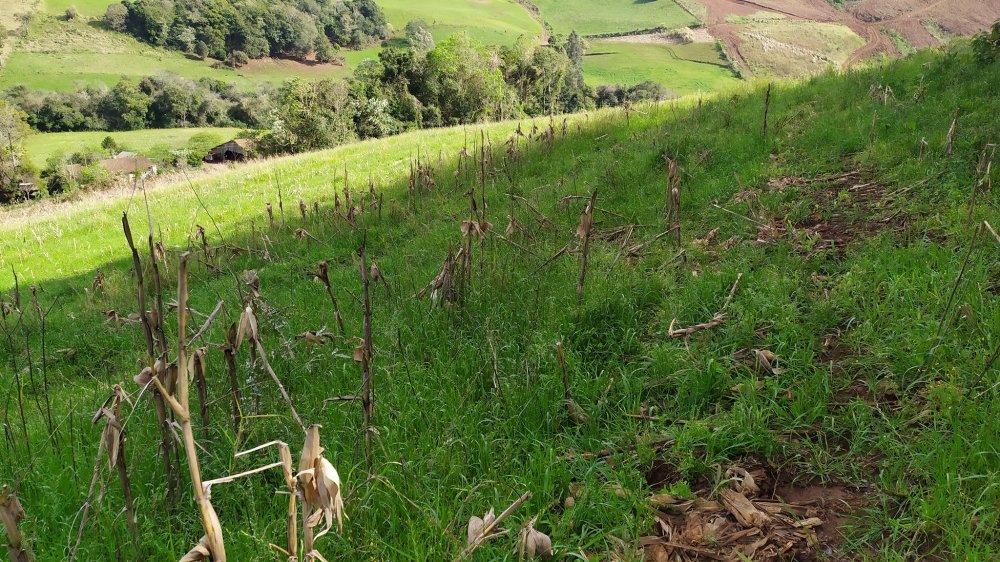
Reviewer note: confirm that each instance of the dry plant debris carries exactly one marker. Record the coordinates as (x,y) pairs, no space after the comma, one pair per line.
(738,526)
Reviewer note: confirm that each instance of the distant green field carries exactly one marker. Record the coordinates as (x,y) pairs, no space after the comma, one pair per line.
(490,21)
(41,146)
(87,8)
(57,55)
(60,54)
(684,69)
(592,17)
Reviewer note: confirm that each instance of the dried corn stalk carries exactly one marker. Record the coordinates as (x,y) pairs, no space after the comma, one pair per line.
(583,231)
(534,543)
(320,489)
(212,542)
(11,514)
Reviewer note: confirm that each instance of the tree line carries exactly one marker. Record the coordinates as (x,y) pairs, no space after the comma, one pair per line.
(239,30)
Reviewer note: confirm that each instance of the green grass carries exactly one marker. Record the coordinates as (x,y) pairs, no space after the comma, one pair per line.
(684,69)
(59,55)
(40,147)
(916,434)
(86,8)
(592,17)
(494,22)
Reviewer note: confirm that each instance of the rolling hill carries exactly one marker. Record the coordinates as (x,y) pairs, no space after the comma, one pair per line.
(794,355)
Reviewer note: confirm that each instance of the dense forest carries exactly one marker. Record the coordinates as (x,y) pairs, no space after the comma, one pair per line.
(239,30)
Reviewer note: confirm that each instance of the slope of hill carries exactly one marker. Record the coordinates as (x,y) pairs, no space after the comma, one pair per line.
(57,54)
(819,334)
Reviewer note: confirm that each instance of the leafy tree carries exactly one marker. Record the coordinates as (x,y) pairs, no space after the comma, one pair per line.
(575,49)
(127,106)
(418,36)
(201,49)
(110,145)
(468,83)
(237,59)
(150,20)
(987,45)
(116,17)
(13,129)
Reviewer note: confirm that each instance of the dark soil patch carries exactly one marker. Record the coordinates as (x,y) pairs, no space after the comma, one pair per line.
(844,209)
(758,512)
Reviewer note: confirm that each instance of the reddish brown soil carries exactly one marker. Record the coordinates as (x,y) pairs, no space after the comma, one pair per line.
(867,18)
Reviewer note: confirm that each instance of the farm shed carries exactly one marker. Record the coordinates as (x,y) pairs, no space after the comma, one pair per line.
(233,151)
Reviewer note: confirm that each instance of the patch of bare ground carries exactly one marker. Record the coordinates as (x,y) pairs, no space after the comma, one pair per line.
(675,37)
(868,18)
(845,208)
(289,64)
(755,512)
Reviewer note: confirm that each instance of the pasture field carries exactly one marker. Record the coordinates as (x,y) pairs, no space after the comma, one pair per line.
(849,282)
(684,69)
(86,8)
(493,22)
(40,147)
(59,55)
(593,17)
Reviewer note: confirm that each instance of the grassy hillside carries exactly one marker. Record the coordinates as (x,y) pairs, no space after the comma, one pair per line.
(494,22)
(59,54)
(684,69)
(831,378)
(593,17)
(42,146)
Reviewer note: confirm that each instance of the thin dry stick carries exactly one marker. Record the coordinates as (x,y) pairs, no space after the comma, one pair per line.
(871,132)
(983,171)
(574,409)
(286,466)
(717,320)
(17,381)
(324,276)
(87,504)
(367,406)
(166,443)
(584,230)
(950,141)
(229,352)
(181,406)
(767,109)
(958,281)
(991,231)
(487,531)
(281,388)
(45,371)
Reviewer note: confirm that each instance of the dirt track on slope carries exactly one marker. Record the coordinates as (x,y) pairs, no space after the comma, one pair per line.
(913,20)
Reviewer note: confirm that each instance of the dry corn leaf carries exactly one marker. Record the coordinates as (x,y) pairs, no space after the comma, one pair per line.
(576,412)
(476,229)
(198,553)
(478,524)
(743,509)
(315,337)
(743,481)
(252,280)
(534,543)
